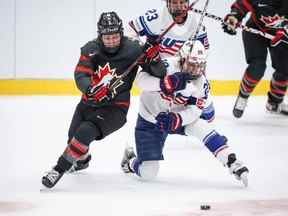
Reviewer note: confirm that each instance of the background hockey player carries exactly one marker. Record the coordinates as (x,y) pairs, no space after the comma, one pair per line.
(174,105)
(268,16)
(102,109)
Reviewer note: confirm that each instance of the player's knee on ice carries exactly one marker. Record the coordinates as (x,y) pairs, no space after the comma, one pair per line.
(148,170)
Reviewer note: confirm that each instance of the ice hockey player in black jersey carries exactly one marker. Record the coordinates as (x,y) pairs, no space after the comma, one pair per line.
(269,16)
(104,103)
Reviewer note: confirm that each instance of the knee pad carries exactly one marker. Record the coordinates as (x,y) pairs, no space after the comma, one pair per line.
(256,69)
(87,132)
(148,170)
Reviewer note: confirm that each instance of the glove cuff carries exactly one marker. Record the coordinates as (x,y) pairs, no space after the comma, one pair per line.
(166,85)
(177,123)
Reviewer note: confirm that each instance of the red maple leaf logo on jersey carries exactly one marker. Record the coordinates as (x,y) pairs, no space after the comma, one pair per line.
(103,76)
(272,21)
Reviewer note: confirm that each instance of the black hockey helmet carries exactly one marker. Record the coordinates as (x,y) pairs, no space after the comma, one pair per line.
(109,23)
(177,12)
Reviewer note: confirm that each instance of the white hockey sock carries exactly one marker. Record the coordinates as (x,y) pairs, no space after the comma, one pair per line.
(222,156)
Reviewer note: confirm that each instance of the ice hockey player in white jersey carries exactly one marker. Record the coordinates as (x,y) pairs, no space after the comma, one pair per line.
(156,21)
(174,105)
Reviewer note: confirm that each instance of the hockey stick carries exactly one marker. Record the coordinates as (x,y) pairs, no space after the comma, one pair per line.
(117,80)
(243,27)
(194,36)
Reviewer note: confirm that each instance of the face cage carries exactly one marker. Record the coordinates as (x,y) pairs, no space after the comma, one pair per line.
(179,12)
(195,68)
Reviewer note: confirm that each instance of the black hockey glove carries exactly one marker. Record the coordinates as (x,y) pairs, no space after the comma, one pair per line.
(230,24)
(169,122)
(151,49)
(175,82)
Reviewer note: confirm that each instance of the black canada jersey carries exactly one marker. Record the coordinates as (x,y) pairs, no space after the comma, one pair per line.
(98,68)
(263,12)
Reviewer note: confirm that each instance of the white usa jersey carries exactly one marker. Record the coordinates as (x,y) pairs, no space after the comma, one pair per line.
(153,101)
(156,21)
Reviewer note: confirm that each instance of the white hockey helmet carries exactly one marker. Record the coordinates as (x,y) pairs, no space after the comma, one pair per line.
(193,62)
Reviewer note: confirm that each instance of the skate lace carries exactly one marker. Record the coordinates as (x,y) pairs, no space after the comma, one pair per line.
(52,176)
(241,103)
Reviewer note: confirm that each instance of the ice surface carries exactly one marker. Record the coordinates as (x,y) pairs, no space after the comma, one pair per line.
(34,134)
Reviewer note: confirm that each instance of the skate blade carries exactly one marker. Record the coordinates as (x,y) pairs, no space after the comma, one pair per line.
(44,189)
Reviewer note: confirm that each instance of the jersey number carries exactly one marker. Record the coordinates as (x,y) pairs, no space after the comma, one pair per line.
(151,15)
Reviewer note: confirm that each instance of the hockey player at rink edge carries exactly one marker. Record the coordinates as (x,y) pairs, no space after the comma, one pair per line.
(174,106)
(270,16)
(104,105)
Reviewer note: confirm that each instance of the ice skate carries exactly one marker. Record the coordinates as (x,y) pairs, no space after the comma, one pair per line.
(82,163)
(275,108)
(237,168)
(125,163)
(239,106)
(51,178)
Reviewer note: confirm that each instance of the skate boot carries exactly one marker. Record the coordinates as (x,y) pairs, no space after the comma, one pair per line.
(82,163)
(51,178)
(237,168)
(276,108)
(239,106)
(125,163)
